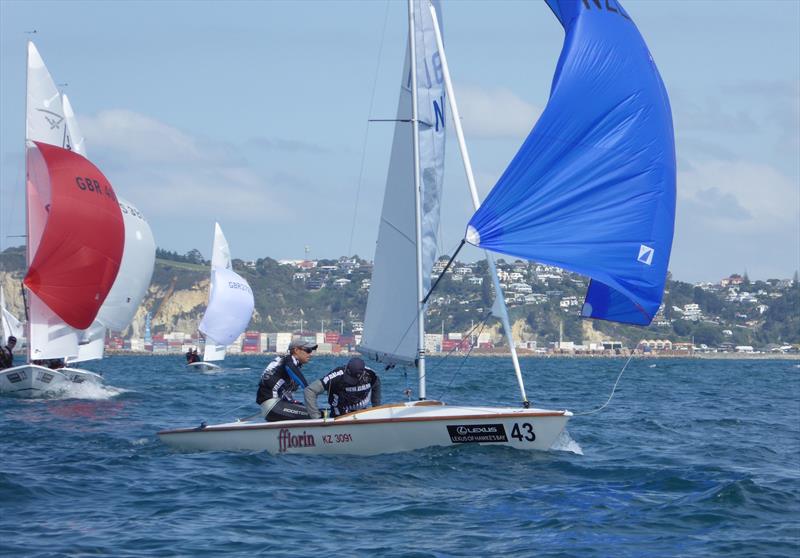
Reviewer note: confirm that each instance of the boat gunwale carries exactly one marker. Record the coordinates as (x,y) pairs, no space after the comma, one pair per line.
(332,423)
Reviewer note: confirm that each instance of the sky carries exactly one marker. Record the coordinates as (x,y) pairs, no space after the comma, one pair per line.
(255,114)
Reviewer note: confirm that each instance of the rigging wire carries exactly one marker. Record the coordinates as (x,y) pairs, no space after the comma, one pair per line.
(366,131)
(613,389)
(480,324)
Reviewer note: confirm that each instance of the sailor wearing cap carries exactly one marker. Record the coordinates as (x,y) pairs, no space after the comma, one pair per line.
(279,381)
(349,388)
(7,353)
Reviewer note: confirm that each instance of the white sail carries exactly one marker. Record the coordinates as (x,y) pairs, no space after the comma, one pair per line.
(220,251)
(230,302)
(390,324)
(45,120)
(49,336)
(10,324)
(74,138)
(135,271)
(130,286)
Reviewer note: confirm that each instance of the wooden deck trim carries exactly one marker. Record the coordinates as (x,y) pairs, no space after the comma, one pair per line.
(331,423)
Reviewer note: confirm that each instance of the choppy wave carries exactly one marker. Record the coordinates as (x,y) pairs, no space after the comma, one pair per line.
(692,458)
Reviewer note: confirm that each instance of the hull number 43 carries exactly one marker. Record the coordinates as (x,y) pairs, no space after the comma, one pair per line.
(524,433)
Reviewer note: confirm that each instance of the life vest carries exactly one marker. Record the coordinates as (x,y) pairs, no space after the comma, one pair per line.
(348,393)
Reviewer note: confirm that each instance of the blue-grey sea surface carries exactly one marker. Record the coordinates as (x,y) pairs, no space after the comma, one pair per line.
(691,458)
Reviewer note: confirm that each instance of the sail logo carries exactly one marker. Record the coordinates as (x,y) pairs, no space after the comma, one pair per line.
(646,254)
(53,118)
(240,286)
(476,433)
(438,112)
(286,440)
(610,6)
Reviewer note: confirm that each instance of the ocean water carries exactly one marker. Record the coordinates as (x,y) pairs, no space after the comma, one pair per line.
(691,458)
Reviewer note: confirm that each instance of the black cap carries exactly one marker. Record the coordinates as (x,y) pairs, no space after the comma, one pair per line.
(356,366)
(12,339)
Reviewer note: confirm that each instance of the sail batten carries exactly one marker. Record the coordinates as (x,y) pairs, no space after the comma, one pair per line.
(592,189)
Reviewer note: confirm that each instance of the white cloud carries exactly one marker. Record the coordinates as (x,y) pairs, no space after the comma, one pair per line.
(738,196)
(167,172)
(735,216)
(495,113)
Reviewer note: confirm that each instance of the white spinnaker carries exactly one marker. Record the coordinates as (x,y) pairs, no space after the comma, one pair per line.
(136,270)
(390,324)
(49,336)
(230,308)
(130,286)
(230,302)
(11,325)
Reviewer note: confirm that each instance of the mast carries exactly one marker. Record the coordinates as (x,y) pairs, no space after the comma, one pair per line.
(417,201)
(28,255)
(500,303)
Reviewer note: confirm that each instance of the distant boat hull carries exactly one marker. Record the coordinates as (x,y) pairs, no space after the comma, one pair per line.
(385,429)
(203,366)
(32,380)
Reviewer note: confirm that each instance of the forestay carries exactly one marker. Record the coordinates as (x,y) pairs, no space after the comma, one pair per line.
(390,323)
(592,189)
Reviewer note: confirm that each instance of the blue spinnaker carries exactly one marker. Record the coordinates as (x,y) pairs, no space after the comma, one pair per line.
(592,189)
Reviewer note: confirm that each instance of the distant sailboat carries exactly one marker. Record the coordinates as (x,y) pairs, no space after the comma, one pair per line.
(11,326)
(75,241)
(230,305)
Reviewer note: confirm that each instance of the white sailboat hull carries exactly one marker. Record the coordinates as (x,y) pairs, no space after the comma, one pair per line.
(202,366)
(32,380)
(385,429)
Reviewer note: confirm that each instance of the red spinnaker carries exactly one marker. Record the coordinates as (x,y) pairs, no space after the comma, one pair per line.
(80,249)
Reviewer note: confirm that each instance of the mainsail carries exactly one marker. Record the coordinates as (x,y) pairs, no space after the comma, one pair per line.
(48,335)
(592,189)
(230,302)
(390,324)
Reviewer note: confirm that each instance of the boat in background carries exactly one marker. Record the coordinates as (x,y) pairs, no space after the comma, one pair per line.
(75,242)
(230,306)
(9,324)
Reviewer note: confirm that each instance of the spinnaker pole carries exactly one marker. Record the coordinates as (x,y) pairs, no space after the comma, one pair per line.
(462,145)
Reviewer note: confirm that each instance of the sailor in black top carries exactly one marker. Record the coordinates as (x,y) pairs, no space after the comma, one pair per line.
(7,353)
(349,388)
(279,380)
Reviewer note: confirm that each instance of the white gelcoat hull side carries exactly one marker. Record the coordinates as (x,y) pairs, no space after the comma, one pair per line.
(202,366)
(32,380)
(387,429)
